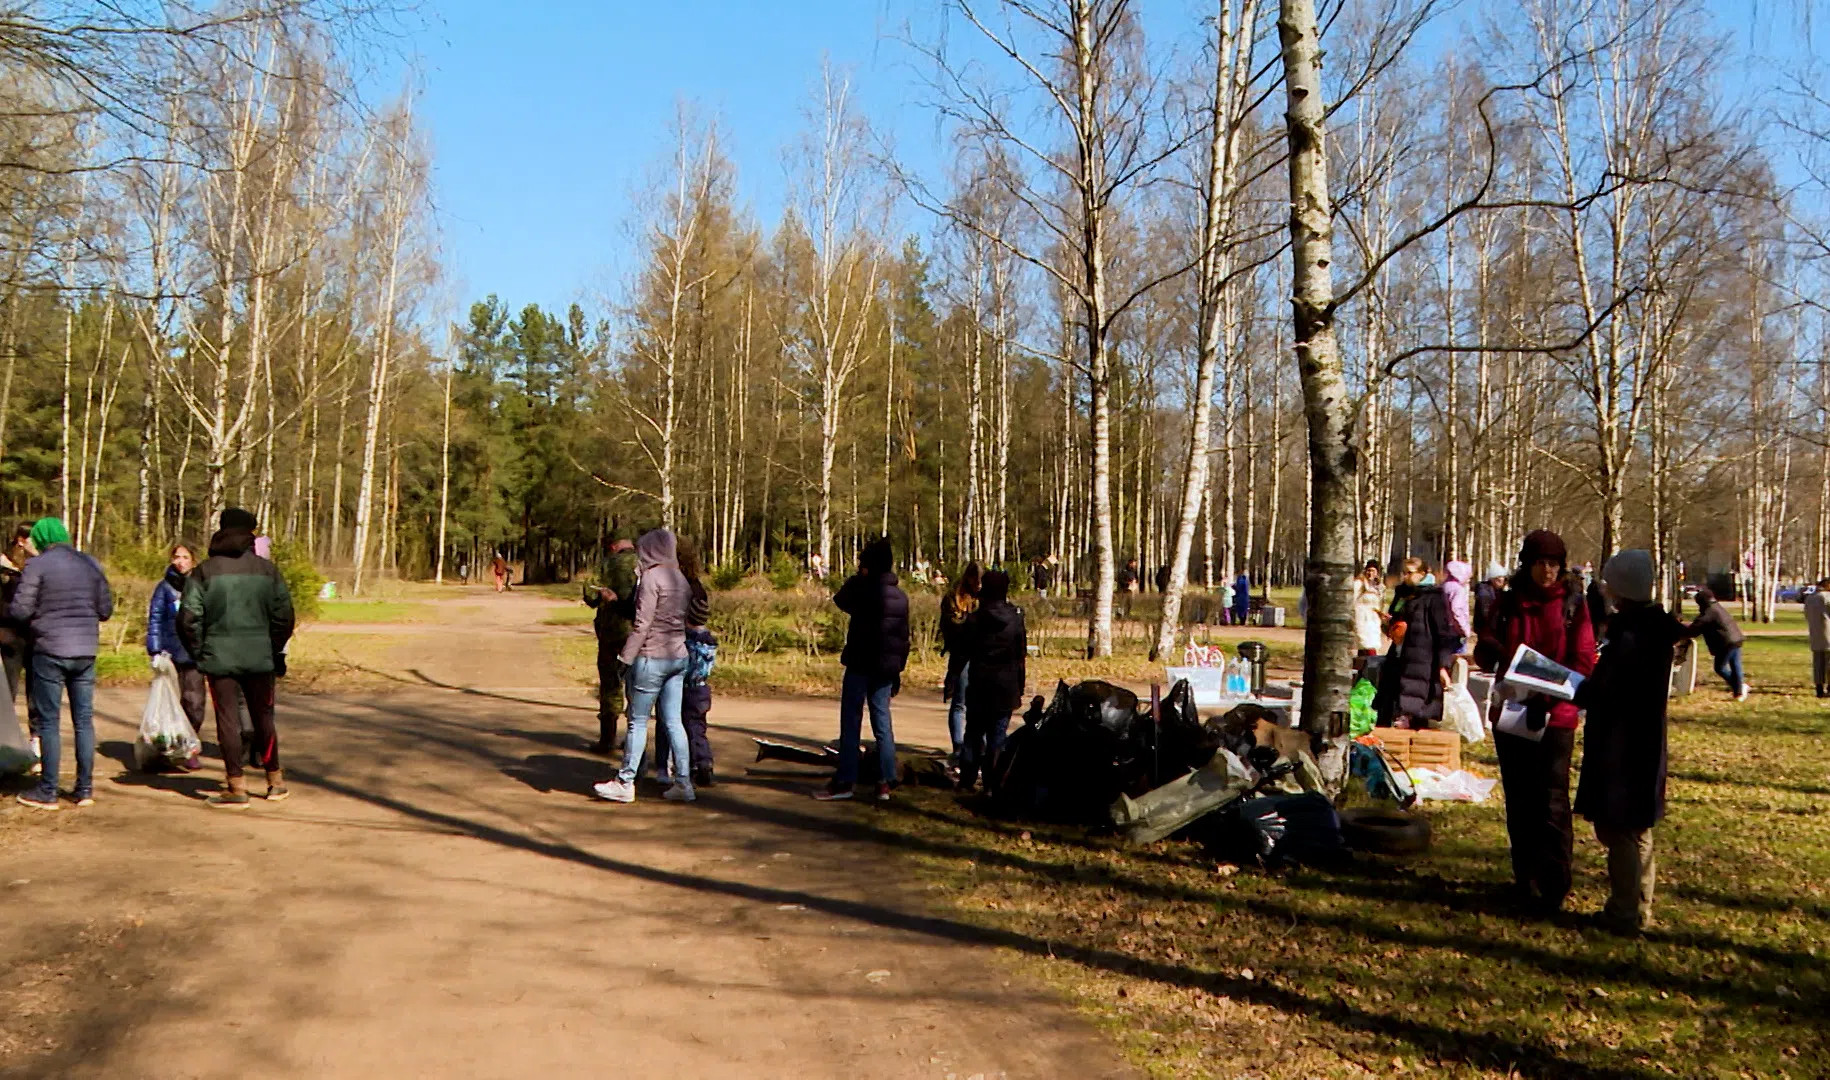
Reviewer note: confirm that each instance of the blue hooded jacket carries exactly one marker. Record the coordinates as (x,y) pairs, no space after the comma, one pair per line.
(162,618)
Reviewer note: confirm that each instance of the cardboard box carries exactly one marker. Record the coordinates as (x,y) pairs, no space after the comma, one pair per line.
(1435,749)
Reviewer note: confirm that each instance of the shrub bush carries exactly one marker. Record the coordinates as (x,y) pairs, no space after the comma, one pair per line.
(728,577)
(302,578)
(784,571)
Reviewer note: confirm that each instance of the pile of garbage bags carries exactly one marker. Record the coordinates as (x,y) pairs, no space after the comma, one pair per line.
(1243,786)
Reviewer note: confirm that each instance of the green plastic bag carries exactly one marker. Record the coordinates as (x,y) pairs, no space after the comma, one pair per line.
(1360,708)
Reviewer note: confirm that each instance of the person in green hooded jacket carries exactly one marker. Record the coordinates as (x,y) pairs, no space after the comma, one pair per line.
(235,619)
(613,597)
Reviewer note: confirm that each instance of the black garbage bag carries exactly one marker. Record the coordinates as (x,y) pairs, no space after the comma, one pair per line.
(1274,830)
(1072,758)
(1183,742)
(1093,742)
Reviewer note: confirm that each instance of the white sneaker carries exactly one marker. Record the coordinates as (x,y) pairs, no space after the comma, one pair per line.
(679,793)
(615,791)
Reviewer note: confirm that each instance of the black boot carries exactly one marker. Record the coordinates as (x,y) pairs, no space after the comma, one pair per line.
(702,777)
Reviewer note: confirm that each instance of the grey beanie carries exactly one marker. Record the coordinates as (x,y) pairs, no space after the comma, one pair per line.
(1494,570)
(1629,573)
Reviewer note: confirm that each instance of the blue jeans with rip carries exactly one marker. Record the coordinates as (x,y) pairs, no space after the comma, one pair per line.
(50,675)
(1728,665)
(956,711)
(655,682)
(858,690)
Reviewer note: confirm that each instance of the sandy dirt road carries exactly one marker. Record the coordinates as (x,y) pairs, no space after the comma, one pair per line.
(441,898)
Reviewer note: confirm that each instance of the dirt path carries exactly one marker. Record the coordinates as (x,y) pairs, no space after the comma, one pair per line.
(440,898)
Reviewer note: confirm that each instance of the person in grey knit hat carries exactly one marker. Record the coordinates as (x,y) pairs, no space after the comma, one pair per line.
(1622,788)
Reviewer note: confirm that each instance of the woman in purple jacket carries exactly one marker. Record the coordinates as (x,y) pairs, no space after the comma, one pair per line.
(656,656)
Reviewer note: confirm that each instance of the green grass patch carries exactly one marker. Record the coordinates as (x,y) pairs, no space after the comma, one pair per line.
(373,611)
(571,616)
(1420,969)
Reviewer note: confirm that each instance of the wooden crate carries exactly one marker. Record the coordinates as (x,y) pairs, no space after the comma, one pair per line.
(1434,749)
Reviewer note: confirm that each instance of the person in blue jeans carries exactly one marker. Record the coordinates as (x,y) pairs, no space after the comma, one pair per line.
(1724,637)
(63,598)
(655,653)
(876,651)
(957,609)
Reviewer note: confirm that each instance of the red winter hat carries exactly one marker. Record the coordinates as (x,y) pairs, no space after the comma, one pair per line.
(1543,544)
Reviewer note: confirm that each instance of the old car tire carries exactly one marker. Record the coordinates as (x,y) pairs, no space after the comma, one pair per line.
(1385,832)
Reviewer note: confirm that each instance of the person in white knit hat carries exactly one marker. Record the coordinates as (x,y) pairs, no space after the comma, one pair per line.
(1622,788)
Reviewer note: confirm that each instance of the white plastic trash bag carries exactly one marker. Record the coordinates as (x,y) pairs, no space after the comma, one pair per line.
(166,736)
(1458,786)
(1461,715)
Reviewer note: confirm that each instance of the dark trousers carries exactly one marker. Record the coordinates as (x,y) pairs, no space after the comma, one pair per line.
(611,672)
(193,695)
(695,706)
(1535,776)
(228,693)
(985,730)
(1820,671)
(18,662)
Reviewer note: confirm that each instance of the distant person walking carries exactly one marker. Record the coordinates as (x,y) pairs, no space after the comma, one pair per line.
(1242,599)
(1544,609)
(63,599)
(162,637)
(1622,790)
(876,651)
(498,566)
(998,643)
(613,598)
(235,621)
(1718,629)
(656,655)
(1456,579)
(958,607)
(1817,621)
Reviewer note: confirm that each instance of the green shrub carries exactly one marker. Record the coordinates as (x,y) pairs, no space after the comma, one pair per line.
(146,562)
(784,571)
(728,577)
(302,578)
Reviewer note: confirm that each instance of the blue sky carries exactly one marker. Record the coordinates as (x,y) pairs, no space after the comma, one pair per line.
(544,117)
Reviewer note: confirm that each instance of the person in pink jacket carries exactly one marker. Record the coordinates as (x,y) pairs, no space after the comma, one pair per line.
(1455,591)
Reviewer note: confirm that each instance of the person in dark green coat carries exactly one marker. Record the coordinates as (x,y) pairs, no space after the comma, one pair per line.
(235,619)
(614,599)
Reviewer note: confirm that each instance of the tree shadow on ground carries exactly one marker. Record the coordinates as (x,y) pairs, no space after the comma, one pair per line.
(1442,1042)
(548,773)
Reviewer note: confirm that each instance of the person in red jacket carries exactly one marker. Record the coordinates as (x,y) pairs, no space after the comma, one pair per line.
(1544,609)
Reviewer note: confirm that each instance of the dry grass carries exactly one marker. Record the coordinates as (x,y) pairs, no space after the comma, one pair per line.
(1420,969)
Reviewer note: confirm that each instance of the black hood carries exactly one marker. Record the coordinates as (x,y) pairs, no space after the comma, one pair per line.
(233,543)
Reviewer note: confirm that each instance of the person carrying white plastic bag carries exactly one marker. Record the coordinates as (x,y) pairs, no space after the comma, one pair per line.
(167,739)
(1460,714)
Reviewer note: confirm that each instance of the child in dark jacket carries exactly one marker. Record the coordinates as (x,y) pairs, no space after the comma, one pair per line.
(997,667)
(1622,790)
(162,637)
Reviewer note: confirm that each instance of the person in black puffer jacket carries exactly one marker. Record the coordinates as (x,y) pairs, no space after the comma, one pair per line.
(998,650)
(1415,674)
(876,650)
